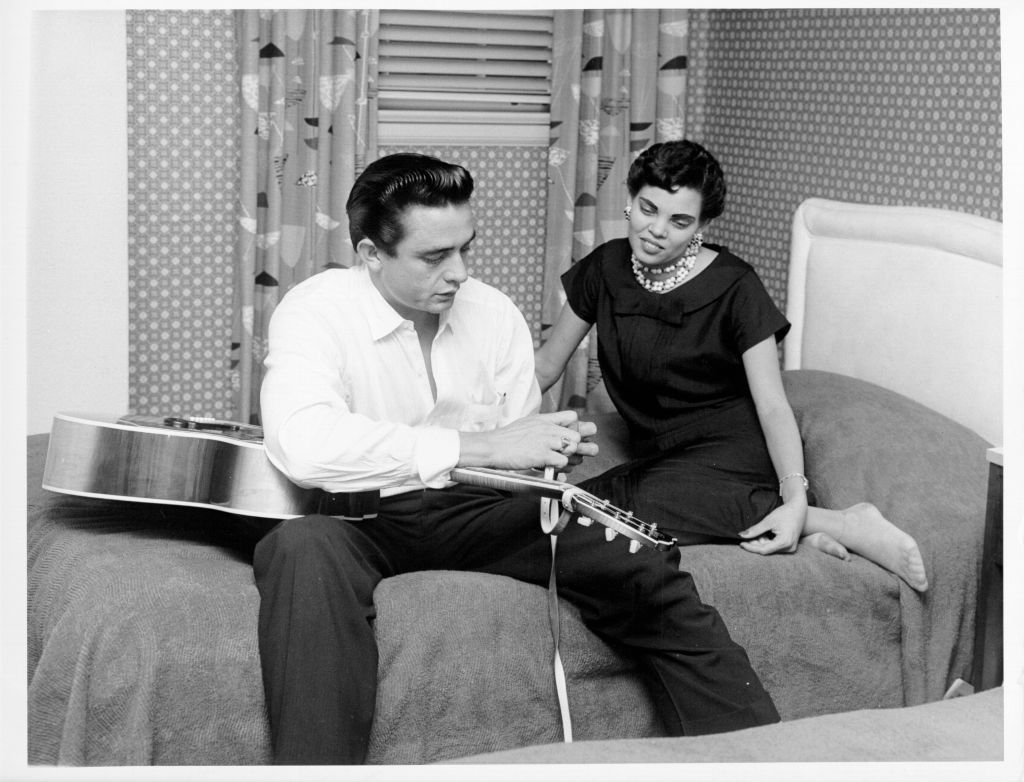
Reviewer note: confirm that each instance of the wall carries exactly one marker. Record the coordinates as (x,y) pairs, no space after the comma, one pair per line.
(183,162)
(887,106)
(183,170)
(76,276)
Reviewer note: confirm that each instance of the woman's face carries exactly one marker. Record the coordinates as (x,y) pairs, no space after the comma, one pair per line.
(661,223)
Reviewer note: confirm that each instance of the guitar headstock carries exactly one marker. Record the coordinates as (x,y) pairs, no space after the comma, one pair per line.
(616,521)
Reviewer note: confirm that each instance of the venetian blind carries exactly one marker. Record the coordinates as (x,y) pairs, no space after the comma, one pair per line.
(455,66)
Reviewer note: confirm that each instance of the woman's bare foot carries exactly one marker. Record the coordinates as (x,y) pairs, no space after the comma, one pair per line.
(825,542)
(868,533)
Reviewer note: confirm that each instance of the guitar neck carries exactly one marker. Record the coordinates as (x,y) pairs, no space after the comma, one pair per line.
(222,465)
(520,483)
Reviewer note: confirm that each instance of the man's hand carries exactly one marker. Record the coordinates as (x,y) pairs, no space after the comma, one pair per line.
(557,440)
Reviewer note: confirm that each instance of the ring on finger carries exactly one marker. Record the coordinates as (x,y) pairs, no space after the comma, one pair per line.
(566,442)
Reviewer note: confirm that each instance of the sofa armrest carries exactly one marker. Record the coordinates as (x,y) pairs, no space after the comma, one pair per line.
(924,471)
(927,474)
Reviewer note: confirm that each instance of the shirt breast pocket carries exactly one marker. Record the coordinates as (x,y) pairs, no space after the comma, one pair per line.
(471,415)
(483,416)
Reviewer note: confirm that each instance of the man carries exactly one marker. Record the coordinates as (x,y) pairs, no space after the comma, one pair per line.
(385,377)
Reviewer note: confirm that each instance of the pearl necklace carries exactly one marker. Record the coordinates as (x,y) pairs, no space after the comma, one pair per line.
(678,269)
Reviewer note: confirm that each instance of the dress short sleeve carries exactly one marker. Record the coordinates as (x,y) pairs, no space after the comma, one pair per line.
(582,283)
(754,315)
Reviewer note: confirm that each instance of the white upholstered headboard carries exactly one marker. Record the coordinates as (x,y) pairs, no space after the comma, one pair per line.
(907,298)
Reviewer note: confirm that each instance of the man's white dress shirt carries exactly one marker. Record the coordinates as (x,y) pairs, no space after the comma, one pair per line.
(346,401)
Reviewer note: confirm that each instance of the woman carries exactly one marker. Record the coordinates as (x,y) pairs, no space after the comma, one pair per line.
(687,343)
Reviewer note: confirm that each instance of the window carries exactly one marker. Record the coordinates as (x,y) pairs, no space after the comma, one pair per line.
(463,77)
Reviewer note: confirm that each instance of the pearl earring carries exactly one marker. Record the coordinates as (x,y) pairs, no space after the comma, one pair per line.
(627,212)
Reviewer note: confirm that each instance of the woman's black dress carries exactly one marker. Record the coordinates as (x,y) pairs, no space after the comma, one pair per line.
(672,364)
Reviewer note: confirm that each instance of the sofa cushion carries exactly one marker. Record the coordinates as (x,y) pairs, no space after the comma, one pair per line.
(466,662)
(954,731)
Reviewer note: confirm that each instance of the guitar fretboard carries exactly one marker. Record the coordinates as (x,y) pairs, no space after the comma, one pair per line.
(509,481)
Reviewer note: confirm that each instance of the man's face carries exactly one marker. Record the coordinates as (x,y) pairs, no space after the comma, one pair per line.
(429,264)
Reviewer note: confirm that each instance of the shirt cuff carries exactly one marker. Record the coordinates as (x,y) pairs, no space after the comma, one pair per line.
(436,454)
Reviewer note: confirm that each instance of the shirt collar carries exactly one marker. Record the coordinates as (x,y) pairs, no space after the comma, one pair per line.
(708,286)
(381,316)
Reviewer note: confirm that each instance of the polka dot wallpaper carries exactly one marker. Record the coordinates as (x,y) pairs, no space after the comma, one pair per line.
(182,164)
(884,106)
(891,106)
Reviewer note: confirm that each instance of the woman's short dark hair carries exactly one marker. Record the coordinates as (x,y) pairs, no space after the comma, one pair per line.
(675,164)
(395,182)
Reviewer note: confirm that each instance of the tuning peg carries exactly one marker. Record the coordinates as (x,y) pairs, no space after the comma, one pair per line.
(609,534)
(584,521)
(634,546)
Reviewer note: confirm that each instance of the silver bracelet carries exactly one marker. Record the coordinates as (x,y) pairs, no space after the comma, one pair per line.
(801,476)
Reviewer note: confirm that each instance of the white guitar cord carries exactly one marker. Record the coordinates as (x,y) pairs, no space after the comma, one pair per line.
(560,686)
(549,513)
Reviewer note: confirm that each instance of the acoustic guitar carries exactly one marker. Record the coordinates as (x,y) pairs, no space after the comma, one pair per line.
(212,463)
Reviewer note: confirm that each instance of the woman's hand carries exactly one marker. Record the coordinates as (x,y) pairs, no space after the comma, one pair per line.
(779,531)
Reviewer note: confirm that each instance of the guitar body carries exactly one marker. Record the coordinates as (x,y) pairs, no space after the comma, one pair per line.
(142,459)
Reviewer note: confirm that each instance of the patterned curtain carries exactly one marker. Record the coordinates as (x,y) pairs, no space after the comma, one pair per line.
(307,95)
(613,94)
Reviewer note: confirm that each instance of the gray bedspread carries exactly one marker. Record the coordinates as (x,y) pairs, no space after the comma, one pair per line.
(142,618)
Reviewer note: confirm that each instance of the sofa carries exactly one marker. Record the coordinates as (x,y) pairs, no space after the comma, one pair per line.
(142,617)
